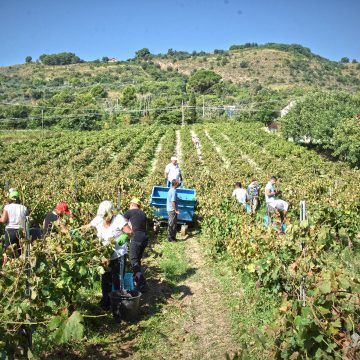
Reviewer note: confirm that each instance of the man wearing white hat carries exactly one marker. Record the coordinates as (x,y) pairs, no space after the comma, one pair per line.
(172,171)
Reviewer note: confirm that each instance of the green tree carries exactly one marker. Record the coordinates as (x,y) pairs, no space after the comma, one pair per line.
(316,117)
(98,91)
(192,105)
(104,59)
(346,140)
(28,59)
(143,54)
(202,81)
(128,99)
(244,64)
(345,60)
(64,58)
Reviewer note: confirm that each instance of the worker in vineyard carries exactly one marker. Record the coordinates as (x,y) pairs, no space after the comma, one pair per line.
(280,207)
(253,194)
(270,190)
(54,219)
(240,194)
(137,221)
(172,171)
(172,210)
(196,141)
(14,216)
(111,229)
(273,204)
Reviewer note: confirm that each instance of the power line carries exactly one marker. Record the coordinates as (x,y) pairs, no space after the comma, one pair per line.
(180,108)
(91,109)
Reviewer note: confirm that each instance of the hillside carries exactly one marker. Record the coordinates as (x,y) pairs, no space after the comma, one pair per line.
(273,68)
(248,82)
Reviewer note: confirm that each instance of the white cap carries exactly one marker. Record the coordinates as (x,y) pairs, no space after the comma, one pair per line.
(173,158)
(104,207)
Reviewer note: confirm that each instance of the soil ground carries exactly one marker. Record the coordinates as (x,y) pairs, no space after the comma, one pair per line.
(183,314)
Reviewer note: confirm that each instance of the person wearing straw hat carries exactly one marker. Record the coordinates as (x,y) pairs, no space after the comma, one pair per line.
(138,222)
(110,228)
(55,218)
(14,216)
(172,171)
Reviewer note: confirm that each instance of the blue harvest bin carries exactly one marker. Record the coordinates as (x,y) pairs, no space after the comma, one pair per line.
(129,281)
(186,203)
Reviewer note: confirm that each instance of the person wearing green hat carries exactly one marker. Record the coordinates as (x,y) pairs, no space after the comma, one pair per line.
(138,222)
(14,216)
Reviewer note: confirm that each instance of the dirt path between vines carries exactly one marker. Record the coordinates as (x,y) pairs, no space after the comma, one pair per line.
(207,328)
(195,324)
(246,158)
(218,150)
(198,147)
(187,320)
(178,145)
(157,151)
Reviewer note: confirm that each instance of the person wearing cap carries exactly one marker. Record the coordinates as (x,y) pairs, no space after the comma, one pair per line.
(172,171)
(171,208)
(55,218)
(138,222)
(110,228)
(14,216)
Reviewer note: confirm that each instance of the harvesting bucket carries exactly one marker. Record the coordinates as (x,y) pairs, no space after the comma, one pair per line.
(125,304)
(130,305)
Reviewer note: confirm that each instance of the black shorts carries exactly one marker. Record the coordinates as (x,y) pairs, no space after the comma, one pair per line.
(13,236)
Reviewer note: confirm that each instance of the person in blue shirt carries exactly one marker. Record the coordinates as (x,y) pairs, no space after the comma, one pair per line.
(171,208)
(253,192)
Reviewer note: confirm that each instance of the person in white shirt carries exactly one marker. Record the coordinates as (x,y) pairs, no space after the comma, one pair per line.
(280,205)
(14,216)
(110,228)
(270,191)
(172,172)
(240,194)
(273,204)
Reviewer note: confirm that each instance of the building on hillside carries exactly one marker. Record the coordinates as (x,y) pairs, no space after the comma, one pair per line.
(113,60)
(273,127)
(229,110)
(287,108)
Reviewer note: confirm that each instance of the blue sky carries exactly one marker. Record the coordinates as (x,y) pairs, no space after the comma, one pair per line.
(96,28)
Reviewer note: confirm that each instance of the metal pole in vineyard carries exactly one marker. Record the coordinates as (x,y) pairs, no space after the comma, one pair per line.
(302,218)
(302,284)
(27,268)
(118,200)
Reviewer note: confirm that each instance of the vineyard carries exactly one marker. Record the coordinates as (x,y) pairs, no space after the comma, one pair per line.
(312,271)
